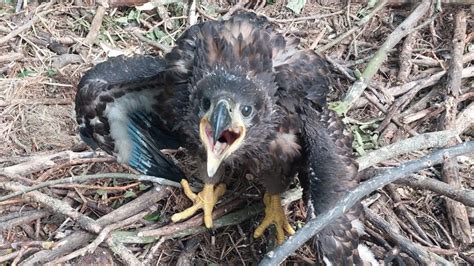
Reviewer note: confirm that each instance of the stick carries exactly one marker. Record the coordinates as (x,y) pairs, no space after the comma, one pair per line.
(162,47)
(420,142)
(56,205)
(120,250)
(465,196)
(95,25)
(99,239)
(25,218)
(416,251)
(356,28)
(28,24)
(374,64)
(388,176)
(83,178)
(192,17)
(80,238)
(193,222)
(405,57)
(42,162)
(426,82)
(229,219)
(456,211)
(10,57)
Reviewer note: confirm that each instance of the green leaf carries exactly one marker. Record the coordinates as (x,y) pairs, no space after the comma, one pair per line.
(339,107)
(51,72)
(130,194)
(143,187)
(121,20)
(26,73)
(296,5)
(102,193)
(152,217)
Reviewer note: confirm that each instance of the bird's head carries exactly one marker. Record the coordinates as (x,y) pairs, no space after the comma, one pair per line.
(231,109)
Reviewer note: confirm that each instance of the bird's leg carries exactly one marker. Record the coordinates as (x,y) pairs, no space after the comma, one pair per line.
(205,200)
(274,214)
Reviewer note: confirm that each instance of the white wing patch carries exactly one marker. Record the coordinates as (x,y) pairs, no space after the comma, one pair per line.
(117,114)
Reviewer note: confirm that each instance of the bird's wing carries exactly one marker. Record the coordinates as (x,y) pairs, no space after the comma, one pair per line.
(303,75)
(124,108)
(332,173)
(304,80)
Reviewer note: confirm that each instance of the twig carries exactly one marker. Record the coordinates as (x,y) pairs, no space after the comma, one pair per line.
(83,178)
(422,255)
(374,64)
(314,17)
(56,205)
(240,5)
(405,57)
(10,256)
(386,177)
(41,162)
(11,57)
(80,238)
(49,172)
(402,210)
(28,24)
(467,72)
(422,141)
(456,211)
(99,239)
(120,250)
(22,252)
(36,102)
(192,18)
(193,222)
(162,47)
(465,196)
(95,25)
(356,28)
(229,219)
(25,218)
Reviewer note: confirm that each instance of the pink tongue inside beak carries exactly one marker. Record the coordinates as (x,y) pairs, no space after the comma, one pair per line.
(226,139)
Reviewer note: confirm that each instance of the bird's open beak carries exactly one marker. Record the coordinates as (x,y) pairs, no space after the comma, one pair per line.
(221,132)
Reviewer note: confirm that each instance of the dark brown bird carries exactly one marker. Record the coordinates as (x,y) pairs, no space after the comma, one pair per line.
(235,94)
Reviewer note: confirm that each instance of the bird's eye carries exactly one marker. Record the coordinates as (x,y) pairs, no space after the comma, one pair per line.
(206,104)
(246,110)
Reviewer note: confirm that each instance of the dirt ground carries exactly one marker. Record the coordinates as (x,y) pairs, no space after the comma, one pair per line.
(45,48)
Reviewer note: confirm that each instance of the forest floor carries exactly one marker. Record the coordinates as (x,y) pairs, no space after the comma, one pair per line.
(422,91)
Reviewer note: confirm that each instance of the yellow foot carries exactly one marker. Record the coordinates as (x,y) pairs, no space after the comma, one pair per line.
(205,200)
(274,214)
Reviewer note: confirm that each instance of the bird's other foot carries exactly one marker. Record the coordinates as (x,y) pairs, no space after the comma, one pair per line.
(274,214)
(205,200)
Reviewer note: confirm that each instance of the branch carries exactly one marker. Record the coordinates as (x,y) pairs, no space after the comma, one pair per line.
(80,239)
(419,84)
(388,176)
(28,24)
(56,205)
(120,250)
(41,162)
(465,196)
(356,28)
(422,255)
(83,178)
(420,142)
(456,211)
(99,239)
(95,25)
(373,66)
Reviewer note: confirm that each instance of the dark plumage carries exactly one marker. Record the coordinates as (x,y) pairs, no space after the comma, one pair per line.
(233,93)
